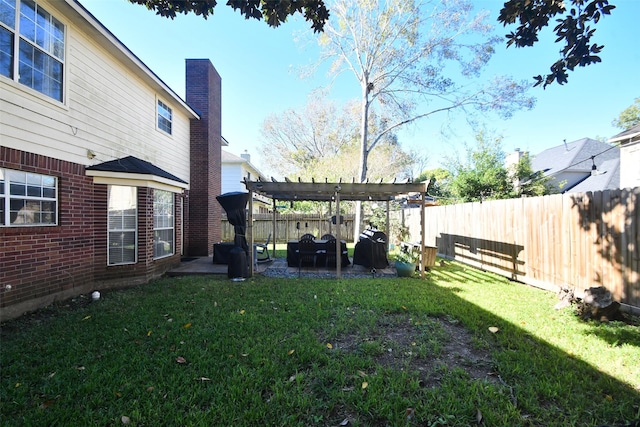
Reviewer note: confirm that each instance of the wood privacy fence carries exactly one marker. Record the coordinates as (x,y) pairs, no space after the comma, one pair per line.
(568,240)
(287,227)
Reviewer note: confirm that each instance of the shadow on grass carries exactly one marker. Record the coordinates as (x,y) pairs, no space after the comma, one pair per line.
(616,333)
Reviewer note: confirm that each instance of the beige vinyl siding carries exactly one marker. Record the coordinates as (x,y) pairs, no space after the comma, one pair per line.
(629,161)
(109,109)
(232,175)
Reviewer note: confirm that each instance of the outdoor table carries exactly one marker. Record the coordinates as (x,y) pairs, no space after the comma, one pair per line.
(321,248)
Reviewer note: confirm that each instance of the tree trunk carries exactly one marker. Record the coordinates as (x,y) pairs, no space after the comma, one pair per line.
(364,155)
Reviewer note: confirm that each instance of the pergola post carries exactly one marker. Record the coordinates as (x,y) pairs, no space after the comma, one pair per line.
(338,240)
(387,228)
(252,248)
(275,223)
(422,225)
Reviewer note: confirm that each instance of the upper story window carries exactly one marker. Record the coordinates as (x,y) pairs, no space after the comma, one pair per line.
(27,199)
(165,117)
(32,47)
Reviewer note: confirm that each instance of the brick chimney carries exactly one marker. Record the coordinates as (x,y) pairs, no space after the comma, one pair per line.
(204,93)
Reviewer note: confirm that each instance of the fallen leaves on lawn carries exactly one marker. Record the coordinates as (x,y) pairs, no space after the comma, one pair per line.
(365,385)
(291,352)
(47,403)
(493,329)
(329,345)
(181,360)
(187,325)
(202,379)
(125,419)
(86,318)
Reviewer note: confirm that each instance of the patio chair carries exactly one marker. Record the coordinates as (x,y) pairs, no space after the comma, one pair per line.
(327,236)
(331,254)
(306,253)
(308,236)
(262,250)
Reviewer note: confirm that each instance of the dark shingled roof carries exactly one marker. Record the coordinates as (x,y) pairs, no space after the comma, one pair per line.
(132,164)
(574,156)
(606,178)
(626,135)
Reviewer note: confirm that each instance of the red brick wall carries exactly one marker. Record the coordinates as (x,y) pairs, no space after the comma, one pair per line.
(44,264)
(204,95)
(41,263)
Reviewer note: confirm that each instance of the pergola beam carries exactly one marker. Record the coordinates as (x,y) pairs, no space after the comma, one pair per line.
(324,191)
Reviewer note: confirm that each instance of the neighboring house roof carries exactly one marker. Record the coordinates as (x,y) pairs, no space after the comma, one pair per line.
(571,163)
(134,165)
(606,177)
(229,158)
(627,136)
(574,156)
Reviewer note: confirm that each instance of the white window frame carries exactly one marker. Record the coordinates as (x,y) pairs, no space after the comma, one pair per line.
(164,117)
(46,42)
(39,198)
(118,228)
(164,206)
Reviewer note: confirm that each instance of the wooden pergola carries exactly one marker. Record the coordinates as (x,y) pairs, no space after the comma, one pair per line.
(334,192)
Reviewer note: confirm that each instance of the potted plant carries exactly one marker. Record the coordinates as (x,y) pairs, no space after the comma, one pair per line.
(405,262)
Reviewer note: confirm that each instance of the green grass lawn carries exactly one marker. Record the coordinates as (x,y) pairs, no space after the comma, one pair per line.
(206,351)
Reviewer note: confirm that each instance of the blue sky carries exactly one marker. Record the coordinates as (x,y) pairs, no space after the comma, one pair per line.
(259,68)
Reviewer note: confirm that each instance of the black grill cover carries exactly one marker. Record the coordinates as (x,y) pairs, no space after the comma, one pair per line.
(235,204)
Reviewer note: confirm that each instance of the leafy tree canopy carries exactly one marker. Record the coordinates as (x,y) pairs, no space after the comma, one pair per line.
(273,12)
(574,28)
(527,181)
(439,182)
(321,141)
(629,117)
(482,175)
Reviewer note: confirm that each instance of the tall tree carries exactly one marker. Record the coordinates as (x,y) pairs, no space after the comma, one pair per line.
(320,141)
(574,29)
(403,54)
(629,117)
(532,16)
(273,12)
